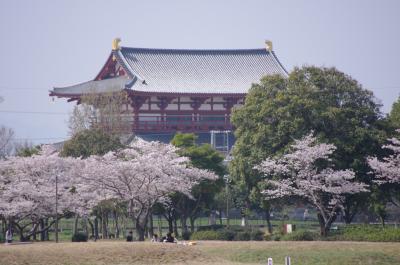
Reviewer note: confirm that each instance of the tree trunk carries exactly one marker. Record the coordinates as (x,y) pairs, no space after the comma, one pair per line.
(160,232)
(34,229)
(75,227)
(211,218)
(146,230)
(184,225)
(151,225)
(176,228)
(91,228)
(85,226)
(139,230)
(382,218)
(325,225)
(46,233)
(192,219)
(117,229)
(42,234)
(351,208)
(96,228)
(141,224)
(268,219)
(104,227)
(21,235)
(170,225)
(322,227)
(3,227)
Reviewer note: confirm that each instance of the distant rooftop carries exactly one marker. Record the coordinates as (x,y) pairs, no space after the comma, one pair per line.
(186,71)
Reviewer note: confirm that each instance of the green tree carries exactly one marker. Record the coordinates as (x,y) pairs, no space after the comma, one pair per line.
(378,200)
(27,149)
(394,116)
(90,142)
(84,144)
(204,157)
(280,109)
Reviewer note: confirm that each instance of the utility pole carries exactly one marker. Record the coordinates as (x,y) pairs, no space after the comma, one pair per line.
(227,181)
(227,201)
(56,208)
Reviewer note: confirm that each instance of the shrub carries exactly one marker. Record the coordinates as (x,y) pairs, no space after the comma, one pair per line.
(243,236)
(79,237)
(257,235)
(206,235)
(267,236)
(210,227)
(233,233)
(227,235)
(300,235)
(367,233)
(1,238)
(276,237)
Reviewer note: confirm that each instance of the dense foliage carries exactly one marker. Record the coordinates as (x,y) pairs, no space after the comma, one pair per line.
(202,197)
(387,171)
(305,172)
(394,115)
(367,233)
(300,235)
(90,142)
(139,175)
(79,237)
(279,110)
(229,234)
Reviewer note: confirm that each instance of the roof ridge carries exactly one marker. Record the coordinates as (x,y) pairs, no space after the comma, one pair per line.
(194,50)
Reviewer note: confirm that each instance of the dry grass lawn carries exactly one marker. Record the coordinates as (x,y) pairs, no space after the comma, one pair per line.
(205,252)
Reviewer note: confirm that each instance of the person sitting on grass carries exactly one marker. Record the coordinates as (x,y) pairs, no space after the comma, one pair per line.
(170,238)
(155,238)
(129,238)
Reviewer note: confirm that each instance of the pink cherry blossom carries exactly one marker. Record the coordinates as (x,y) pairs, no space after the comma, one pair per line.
(387,170)
(297,174)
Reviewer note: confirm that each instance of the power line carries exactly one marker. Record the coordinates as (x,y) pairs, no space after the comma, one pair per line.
(43,138)
(47,90)
(22,88)
(34,112)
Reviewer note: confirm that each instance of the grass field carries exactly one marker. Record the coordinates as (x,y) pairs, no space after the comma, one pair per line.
(205,252)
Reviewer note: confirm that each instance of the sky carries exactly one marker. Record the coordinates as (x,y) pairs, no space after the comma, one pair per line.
(58,43)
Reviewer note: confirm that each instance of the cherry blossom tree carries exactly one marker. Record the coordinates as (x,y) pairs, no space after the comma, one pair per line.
(387,170)
(305,173)
(6,141)
(28,189)
(142,175)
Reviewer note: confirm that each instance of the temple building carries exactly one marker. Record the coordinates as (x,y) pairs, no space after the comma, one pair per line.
(177,90)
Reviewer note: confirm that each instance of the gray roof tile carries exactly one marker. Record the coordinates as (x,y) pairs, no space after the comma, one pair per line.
(185,71)
(199,71)
(102,86)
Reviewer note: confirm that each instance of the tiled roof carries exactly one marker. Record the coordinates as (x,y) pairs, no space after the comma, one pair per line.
(186,71)
(102,86)
(199,71)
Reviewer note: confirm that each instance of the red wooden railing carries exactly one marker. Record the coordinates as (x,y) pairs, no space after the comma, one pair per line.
(181,125)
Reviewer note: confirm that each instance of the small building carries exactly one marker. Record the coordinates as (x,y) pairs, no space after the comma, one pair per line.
(177,90)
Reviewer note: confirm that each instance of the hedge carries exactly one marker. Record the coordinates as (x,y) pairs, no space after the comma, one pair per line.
(228,235)
(367,233)
(79,237)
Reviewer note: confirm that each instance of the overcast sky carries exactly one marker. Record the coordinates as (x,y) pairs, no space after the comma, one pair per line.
(56,43)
